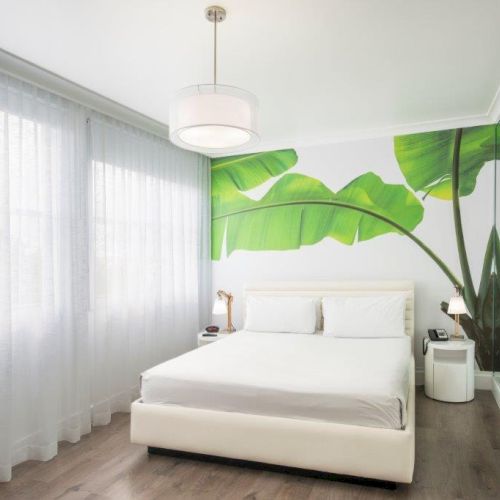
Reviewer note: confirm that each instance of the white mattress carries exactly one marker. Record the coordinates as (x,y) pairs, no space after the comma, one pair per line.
(352,381)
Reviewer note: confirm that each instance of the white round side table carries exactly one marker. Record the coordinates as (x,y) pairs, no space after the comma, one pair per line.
(449,370)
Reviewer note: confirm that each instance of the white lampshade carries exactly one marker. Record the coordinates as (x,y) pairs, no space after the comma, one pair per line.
(220,307)
(457,305)
(213,118)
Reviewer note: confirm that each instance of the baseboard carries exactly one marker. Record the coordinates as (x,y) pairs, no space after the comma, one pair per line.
(419,377)
(483,381)
(495,389)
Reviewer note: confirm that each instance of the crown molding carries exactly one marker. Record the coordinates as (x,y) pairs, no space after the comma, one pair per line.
(490,117)
(24,70)
(375,133)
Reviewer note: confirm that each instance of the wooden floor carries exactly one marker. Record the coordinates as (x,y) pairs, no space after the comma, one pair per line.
(458,456)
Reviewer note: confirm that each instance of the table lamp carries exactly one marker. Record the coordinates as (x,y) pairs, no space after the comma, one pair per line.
(457,307)
(222,305)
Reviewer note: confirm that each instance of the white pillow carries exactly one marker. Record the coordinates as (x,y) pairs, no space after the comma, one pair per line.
(365,317)
(281,314)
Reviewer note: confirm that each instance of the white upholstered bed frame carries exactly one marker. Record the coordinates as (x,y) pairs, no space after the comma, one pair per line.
(351,450)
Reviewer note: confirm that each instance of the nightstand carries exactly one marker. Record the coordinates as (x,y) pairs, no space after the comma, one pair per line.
(208,340)
(449,370)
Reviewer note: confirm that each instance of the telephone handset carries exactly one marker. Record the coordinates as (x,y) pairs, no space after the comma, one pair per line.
(435,334)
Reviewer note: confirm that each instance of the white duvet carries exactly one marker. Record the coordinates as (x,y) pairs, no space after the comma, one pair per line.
(351,381)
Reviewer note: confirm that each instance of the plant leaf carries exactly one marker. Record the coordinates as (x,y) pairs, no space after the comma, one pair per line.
(426,159)
(485,283)
(487,263)
(244,172)
(218,230)
(233,174)
(294,213)
(496,284)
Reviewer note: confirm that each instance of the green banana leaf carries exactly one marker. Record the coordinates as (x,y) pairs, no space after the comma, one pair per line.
(488,267)
(244,172)
(489,280)
(233,174)
(426,159)
(299,210)
(486,320)
(496,295)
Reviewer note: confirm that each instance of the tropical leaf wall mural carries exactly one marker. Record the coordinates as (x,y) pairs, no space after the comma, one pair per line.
(232,175)
(300,210)
(426,159)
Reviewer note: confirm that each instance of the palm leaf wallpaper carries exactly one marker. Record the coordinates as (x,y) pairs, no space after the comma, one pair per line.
(300,210)
(426,159)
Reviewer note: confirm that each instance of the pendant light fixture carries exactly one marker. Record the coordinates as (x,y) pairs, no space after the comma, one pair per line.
(213,118)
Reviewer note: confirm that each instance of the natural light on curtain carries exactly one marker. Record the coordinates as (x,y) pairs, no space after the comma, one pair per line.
(104,266)
(149,290)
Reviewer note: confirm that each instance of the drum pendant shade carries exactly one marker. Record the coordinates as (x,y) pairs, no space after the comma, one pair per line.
(213,118)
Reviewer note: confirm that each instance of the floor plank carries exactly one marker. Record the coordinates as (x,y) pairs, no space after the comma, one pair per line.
(457,457)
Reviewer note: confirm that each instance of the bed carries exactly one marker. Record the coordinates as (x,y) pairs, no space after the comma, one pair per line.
(299,401)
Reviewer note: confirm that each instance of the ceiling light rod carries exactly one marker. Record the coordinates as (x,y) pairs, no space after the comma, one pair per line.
(210,117)
(215,14)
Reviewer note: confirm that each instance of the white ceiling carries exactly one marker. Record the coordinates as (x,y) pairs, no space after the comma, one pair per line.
(323,70)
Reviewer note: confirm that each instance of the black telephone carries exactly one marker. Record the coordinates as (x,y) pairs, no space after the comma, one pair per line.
(210,331)
(437,334)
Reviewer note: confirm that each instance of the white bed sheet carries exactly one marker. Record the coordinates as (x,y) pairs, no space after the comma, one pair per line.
(352,381)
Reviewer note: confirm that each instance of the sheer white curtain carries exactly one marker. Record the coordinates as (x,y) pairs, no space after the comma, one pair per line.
(104,266)
(44,394)
(149,256)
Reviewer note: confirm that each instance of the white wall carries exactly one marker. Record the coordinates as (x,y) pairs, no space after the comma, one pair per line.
(385,257)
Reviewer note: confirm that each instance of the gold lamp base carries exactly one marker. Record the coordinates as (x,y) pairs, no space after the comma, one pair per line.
(456,334)
(229,304)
